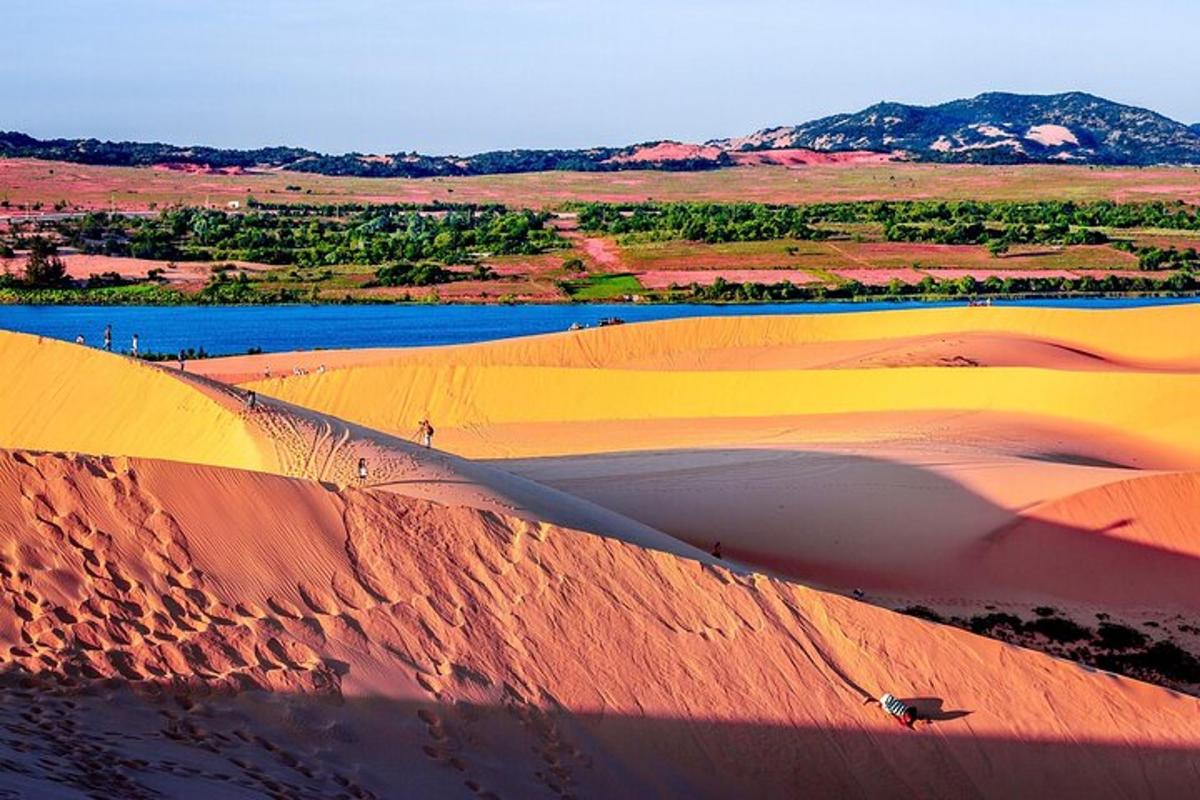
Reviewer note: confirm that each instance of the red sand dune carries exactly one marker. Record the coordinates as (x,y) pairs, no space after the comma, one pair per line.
(319,643)
(795,157)
(668,151)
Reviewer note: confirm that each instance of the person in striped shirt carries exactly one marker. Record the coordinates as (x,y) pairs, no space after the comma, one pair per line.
(904,714)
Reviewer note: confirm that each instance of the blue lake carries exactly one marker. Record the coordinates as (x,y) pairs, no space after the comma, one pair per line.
(234,329)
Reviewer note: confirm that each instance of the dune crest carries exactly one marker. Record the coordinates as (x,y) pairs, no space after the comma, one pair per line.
(131,408)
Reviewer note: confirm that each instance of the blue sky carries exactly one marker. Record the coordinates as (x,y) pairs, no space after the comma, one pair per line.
(460,76)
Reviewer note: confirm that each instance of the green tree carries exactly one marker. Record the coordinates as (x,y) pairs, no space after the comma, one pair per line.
(43,268)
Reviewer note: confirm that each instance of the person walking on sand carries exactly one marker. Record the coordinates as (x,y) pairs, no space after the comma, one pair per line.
(182,362)
(425,433)
(79,339)
(716,550)
(251,400)
(362,471)
(133,348)
(108,338)
(903,713)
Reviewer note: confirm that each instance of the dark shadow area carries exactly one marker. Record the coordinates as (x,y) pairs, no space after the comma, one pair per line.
(115,739)
(885,530)
(1076,459)
(848,521)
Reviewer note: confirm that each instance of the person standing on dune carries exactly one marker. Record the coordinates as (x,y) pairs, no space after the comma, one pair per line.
(362,471)
(108,338)
(133,348)
(425,433)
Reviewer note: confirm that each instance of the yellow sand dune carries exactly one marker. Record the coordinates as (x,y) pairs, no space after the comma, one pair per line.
(476,408)
(1147,337)
(74,399)
(62,397)
(400,647)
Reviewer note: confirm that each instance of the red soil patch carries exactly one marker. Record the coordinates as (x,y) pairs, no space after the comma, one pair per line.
(663,278)
(984,274)
(880,277)
(185,274)
(1122,273)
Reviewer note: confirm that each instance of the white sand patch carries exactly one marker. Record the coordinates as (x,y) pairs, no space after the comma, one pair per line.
(1051,135)
(990,130)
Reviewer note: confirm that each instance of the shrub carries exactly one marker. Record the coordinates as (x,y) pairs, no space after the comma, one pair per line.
(412,275)
(988,622)
(573,265)
(1163,659)
(1057,629)
(1120,637)
(923,612)
(44,269)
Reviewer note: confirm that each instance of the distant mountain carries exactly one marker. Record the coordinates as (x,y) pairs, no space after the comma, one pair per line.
(995,128)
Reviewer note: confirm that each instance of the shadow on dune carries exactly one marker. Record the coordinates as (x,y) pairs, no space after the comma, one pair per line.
(931,709)
(847,521)
(110,741)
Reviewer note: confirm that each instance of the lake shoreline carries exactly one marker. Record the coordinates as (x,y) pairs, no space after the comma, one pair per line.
(236,329)
(185,301)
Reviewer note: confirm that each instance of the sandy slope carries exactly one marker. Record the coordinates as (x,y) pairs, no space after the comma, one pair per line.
(840,449)
(119,406)
(1120,372)
(322,643)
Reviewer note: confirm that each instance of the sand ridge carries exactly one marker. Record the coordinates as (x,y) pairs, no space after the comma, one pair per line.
(139,409)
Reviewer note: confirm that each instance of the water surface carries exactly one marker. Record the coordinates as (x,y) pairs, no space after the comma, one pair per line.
(235,329)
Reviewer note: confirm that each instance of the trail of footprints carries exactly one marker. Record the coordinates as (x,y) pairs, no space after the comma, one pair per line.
(162,633)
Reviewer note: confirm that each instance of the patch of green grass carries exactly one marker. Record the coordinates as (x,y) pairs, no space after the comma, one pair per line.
(602,287)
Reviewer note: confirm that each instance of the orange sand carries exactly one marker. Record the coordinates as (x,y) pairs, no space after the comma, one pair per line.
(315,642)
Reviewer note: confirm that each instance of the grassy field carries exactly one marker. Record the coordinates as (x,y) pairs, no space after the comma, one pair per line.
(603,287)
(24,182)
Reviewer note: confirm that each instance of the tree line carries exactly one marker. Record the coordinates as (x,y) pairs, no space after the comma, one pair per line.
(996,224)
(313,236)
(723,291)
